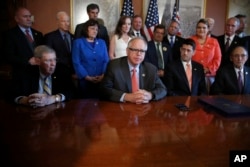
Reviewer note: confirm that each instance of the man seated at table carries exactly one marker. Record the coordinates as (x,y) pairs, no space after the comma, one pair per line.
(233,78)
(45,83)
(184,77)
(129,79)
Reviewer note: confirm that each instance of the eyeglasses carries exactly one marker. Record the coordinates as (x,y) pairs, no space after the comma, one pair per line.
(137,50)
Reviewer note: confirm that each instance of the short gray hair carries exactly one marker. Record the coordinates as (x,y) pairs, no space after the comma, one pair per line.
(41,49)
(136,38)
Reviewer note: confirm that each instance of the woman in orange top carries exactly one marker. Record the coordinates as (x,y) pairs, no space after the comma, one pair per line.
(207,50)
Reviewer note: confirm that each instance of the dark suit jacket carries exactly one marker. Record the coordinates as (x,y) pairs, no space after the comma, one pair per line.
(151,54)
(117,80)
(226,81)
(28,84)
(246,44)
(18,49)
(102,33)
(226,54)
(55,40)
(175,50)
(177,83)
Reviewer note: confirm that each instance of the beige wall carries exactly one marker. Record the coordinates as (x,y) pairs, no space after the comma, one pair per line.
(45,11)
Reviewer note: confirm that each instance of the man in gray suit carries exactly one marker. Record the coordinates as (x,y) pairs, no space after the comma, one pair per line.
(233,78)
(116,84)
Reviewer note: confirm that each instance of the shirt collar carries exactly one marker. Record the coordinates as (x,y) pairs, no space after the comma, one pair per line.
(231,37)
(23,29)
(184,63)
(132,67)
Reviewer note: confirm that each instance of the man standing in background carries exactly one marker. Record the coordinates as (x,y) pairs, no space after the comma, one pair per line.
(93,11)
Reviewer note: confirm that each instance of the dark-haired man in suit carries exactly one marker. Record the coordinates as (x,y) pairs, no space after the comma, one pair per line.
(20,42)
(117,82)
(158,52)
(178,82)
(137,27)
(233,78)
(172,39)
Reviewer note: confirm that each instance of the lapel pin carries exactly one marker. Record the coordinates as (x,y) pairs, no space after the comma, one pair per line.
(143,75)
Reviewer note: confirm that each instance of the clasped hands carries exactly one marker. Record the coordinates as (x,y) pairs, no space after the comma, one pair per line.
(37,100)
(94,79)
(138,97)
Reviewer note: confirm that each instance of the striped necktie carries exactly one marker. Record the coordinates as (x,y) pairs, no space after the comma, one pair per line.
(46,86)
(28,36)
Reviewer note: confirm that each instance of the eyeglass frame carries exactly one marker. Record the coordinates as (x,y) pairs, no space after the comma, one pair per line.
(137,50)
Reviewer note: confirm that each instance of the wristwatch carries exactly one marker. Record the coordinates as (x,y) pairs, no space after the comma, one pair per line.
(57,97)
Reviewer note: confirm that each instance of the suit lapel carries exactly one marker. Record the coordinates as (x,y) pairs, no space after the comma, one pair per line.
(61,41)
(142,76)
(194,74)
(126,73)
(246,80)
(24,39)
(182,72)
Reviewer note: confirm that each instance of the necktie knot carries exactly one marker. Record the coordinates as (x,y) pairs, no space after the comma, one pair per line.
(137,34)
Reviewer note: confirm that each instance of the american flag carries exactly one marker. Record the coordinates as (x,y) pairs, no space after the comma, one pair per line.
(127,8)
(175,15)
(152,19)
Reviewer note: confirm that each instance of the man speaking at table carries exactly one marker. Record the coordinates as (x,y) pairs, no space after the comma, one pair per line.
(129,79)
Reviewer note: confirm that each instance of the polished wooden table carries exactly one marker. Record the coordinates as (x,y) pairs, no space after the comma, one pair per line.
(94,133)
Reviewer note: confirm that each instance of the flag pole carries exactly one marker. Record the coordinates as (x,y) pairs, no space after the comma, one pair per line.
(177,4)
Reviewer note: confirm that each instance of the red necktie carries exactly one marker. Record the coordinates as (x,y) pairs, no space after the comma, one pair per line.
(28,36)
(135,84)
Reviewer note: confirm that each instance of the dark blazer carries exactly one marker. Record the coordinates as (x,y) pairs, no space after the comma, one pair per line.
(151,54)
(177,83)
(102,33)
(246,44)
(175,50)
(226,54)
(117,80)
(28,84)
(226,81)
(18,50)
(55,40)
